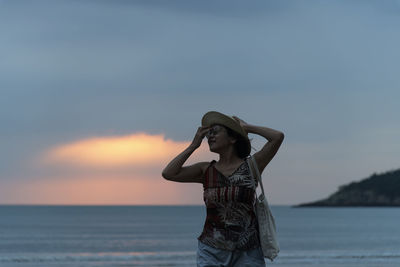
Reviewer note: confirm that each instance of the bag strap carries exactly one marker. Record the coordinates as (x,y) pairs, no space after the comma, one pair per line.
(256,173)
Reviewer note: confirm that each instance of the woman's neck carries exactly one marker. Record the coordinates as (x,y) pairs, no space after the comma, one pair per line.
(228,157)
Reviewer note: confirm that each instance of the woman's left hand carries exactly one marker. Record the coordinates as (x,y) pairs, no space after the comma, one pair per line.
(242,123)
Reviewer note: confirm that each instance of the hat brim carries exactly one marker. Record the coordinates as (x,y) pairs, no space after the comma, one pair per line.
(214,117)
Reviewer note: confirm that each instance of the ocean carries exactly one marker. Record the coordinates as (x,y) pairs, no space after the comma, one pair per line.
(139,236)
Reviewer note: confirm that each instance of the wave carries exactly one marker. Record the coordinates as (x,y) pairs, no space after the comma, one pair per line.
(339,257)
(99,257)
(189,256)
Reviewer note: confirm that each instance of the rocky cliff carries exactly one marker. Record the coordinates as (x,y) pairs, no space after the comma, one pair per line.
(376,190)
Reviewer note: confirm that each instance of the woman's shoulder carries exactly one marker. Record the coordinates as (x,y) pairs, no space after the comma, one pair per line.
(204,165)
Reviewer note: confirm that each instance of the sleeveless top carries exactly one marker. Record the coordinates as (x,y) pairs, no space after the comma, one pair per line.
(231,222)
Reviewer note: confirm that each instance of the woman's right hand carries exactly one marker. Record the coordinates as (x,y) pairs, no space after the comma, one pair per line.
(200,134)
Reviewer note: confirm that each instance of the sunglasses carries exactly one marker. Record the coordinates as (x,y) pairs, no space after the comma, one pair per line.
(214,131)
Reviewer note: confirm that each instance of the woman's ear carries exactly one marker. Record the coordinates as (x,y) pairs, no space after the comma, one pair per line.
(232,140)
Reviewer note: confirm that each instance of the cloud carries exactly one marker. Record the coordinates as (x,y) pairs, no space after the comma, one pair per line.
(112,170)
(135,155)
(113,152)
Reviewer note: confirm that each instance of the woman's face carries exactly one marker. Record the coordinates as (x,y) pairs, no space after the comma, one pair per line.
(218,138)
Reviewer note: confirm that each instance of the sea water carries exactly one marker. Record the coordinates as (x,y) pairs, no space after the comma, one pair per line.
(166,236)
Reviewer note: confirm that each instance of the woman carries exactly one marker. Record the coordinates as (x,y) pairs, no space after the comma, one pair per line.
(230,233)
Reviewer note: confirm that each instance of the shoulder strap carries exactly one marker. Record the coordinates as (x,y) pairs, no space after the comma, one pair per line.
(209,176)
(255,172)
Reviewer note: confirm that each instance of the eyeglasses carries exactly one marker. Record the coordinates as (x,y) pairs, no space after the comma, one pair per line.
(214,130)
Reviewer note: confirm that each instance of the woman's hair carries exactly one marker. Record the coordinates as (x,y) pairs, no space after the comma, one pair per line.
(242,145)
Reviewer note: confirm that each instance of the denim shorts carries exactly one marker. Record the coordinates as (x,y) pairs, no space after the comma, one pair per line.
(211,257)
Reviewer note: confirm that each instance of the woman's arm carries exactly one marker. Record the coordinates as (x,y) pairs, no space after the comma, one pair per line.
(193,173)
(274,137)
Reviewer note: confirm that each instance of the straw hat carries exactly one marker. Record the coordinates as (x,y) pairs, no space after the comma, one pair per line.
(214,117)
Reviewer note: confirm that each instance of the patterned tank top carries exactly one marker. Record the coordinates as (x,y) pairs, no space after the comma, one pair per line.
(231,223)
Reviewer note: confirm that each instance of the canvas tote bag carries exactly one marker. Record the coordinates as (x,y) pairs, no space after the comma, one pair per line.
(266,222)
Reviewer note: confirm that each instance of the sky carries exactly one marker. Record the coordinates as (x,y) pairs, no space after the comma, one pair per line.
(98,96)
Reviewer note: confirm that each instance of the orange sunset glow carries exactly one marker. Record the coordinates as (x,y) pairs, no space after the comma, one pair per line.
(136,149)
(88,171)
(102,190)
